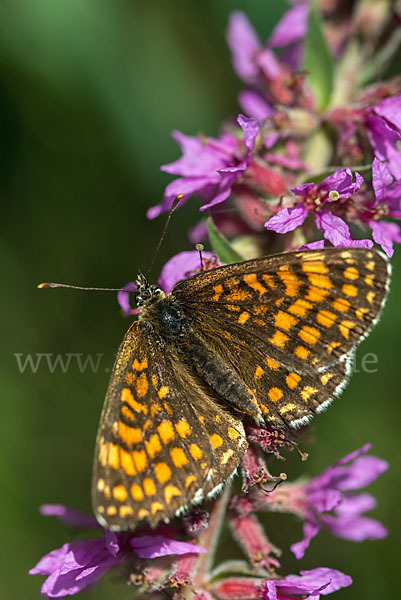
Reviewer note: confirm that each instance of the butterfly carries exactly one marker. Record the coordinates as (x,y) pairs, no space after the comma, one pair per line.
(269,339)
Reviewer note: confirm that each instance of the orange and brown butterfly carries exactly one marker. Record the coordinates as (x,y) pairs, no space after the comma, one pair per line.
(269,339)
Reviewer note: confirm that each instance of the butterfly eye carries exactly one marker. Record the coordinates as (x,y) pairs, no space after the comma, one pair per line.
(172,319)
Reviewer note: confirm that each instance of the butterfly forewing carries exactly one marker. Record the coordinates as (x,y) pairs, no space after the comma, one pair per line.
(156,454)
(305,309)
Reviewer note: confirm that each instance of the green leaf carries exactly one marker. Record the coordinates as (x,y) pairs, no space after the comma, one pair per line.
(221,246)
(318,60)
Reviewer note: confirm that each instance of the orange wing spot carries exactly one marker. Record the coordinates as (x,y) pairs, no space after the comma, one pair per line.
(361,312)
(345,328)
(279,301)
(292,380)
(238,295)
(126,396)
(233,307)
(107,491)
(136,492)
(315,267)
(244,316)
(128,434)
(114,456)
(233,434)
(162,471)
(252,281)
(260,309)
(140,460)
(341,304)
(167,408)
(259,372)
(201,419)
(302,352)
(127,413)
(309,335)
(369,279)
(183,428)
(178,457)
(275,394)
(291,282)
(100,485)
(153,445)
(349,290)
(156,506)
(325,318)
(225,457)
(190,479)
(307,392)
(370,296)
(259,322)
(143,513)
(111,511)
(268,279)
(195,451)
(370,265)
(279,339)
(325,378)
(126,511)
(166,431)
(103,454)
(163,392)
(170,491)
(332,346)
(320,281)
(218,291)
(154,380)
(272,364)
(300,307)
(140,365)
(316,294)
(346,254)
(100,509)
(149,486)
(283,320)
(263,408)
(127,462)
(142,385)
(287,408)
(351,273)
(148,423)
(130,378)
(216,440)
(155,408)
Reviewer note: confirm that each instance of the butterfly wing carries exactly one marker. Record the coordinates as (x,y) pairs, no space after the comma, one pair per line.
(163,443)
(288,324)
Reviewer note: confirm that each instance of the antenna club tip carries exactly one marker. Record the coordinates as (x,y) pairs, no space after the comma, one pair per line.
(200,247)
(283,476)
(40,286)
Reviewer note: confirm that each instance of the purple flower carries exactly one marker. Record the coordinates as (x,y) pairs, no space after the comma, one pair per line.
(384,131)
(385,234)
(80,563)
(208,168)
(289,33)
(310,584)
(328,500)
(322,199)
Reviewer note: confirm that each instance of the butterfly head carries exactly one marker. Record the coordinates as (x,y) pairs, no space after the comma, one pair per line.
(145,290)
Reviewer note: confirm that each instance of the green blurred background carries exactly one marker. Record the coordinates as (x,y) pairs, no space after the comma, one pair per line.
(89,93)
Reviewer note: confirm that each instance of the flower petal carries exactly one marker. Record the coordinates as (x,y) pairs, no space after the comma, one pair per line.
(381,179)
(152,546)
(292,26)
(181,266)
(287,219)
(311,529)
(384,234)
(355,529)
(324,579)
(342,182)
(250,128)
(244,45)
(337,231)
(255,105)
(69,516)
(123,298)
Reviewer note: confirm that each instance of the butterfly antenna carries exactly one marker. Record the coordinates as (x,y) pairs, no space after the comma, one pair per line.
(170,214)
(200,248)
(42,286)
